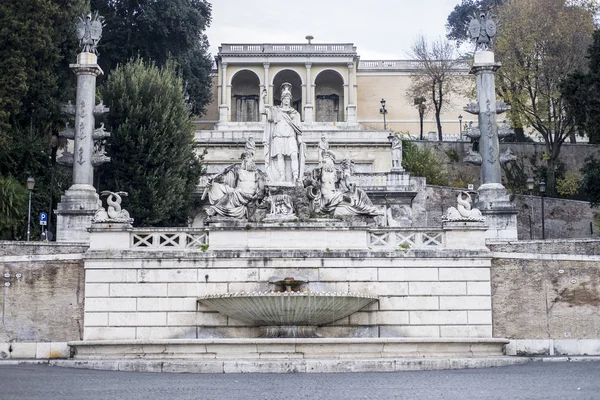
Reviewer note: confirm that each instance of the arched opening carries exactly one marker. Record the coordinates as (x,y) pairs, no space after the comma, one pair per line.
(329,97)
(292,77)
(245,94)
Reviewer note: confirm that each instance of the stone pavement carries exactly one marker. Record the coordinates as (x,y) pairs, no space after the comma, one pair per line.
(536,380)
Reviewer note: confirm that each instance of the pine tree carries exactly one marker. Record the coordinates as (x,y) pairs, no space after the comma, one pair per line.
(152,143)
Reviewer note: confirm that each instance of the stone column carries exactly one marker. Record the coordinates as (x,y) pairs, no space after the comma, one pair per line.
(224,107)
(489,148)
(492,197)
(351,109)
(80,202)
(265,85)
(308,107)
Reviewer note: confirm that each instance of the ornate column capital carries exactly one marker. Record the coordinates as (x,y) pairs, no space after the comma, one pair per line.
(266,65)
(224,65)
(351,65)
(308,65)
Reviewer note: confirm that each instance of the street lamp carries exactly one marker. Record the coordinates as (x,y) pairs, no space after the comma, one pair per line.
(383,111)
(30,185)
(460,124)
(542,192)
(530,184)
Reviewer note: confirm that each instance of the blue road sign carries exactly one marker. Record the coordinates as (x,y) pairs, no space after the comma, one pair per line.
(43,218)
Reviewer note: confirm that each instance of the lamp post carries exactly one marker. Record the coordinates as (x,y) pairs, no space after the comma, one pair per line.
(421,107)
(383,111)
(530,184)
(542,192)
(460,117)
(30,185)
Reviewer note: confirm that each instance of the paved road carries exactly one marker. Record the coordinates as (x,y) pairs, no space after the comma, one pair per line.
(547,381)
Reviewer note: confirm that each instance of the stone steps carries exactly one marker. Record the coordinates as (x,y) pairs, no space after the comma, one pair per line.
(323,365)
(300,351)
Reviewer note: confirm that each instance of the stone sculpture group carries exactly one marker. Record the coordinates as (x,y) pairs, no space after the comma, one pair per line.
(240,189)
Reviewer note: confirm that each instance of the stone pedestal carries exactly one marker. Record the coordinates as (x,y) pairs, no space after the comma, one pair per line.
(493,200)
(465,235)
(110,235)
(74,214)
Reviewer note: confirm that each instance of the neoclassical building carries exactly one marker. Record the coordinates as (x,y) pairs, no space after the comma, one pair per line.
(331,85)
(336,93)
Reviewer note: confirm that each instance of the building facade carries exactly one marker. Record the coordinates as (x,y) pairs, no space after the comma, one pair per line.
(331,86)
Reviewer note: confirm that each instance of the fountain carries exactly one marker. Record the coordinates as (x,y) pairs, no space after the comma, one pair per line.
(288,310)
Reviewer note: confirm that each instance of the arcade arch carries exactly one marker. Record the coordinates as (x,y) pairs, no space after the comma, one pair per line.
(245,95)
(329,96)
(291,76)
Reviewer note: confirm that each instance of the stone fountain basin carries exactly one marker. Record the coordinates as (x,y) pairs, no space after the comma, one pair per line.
(287,308)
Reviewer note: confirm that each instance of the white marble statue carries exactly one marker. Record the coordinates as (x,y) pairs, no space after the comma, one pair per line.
(463,211)
(282,141)
(233,190)
(322,147)
(114,213)
(331,191)
(396,153)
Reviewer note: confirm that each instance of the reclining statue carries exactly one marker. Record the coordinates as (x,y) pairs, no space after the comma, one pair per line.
(231,192)
(330,190)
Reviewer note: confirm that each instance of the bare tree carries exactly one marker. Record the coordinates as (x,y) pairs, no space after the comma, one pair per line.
(541,42)
(437,68)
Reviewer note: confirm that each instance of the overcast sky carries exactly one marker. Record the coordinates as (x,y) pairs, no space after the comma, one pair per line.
(381,29)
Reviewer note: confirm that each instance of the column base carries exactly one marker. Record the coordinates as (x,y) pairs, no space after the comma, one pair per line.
(308,113)
(223,113)
(74,214)
(351,113)
(500,213)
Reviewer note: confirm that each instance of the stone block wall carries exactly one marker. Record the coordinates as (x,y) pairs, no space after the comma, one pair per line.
(141,294)
(547,290)
(42,296)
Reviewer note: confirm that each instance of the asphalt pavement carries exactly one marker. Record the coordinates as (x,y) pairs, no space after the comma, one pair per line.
(536,380)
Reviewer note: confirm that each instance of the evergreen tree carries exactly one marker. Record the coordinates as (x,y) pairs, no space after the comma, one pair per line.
(589,180)
(37,44)
(152,143)
(160,30)
(581,92)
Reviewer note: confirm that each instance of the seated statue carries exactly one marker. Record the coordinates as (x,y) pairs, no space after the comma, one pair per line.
(330,191)
(232,191)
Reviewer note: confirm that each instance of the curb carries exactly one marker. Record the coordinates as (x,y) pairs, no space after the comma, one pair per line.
(291,366)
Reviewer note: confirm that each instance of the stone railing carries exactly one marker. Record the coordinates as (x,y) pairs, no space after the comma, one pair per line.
(405,238)
(169,238)
(197,238)
(301,48)
(402,65)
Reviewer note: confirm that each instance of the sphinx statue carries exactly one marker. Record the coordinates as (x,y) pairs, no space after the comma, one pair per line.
(331,191)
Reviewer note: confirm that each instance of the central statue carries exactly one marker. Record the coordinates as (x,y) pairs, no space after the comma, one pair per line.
(282,141)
